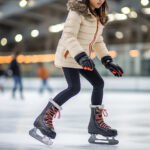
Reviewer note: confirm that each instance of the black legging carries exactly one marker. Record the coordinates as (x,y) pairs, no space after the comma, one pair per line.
(73,80)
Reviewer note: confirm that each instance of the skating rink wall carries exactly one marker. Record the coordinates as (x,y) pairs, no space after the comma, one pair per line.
(111,83)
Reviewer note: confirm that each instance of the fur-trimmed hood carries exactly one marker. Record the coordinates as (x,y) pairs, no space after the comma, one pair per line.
(79,7)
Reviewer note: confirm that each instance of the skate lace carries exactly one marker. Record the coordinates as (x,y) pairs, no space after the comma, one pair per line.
(50,114)
(99,118)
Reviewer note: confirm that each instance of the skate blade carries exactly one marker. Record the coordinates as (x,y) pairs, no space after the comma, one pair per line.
(108,141)
(45,140)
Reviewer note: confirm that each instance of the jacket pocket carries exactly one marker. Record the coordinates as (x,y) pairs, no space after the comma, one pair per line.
(66,54)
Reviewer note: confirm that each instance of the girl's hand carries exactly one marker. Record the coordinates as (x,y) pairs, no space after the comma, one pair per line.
(114,68)
(86,62)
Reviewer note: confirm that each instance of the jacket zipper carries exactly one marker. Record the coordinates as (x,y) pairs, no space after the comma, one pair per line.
(91,44)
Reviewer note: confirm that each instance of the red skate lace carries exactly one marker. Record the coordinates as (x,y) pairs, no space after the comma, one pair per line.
(100,119)
(50,114)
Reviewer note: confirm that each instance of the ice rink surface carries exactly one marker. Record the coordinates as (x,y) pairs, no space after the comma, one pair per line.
(128,112)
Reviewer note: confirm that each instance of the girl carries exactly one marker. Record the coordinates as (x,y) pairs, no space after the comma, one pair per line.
(82,34)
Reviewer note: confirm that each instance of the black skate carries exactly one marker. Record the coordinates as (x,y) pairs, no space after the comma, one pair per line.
(97,126)
(44,123)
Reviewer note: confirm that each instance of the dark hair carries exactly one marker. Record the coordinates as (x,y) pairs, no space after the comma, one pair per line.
(101,12)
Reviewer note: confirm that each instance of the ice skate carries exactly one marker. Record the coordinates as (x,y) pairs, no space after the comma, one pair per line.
(44,123)
(97,127)
(44,139)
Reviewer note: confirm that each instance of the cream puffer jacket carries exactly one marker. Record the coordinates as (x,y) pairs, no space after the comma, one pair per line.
(80,34)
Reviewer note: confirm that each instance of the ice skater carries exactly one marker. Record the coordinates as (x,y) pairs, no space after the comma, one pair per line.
(43,74)
(81,35)
(15,70)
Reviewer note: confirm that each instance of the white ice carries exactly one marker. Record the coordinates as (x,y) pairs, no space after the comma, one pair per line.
(129,113)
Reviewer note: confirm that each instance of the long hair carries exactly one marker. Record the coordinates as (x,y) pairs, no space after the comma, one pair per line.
(101,12)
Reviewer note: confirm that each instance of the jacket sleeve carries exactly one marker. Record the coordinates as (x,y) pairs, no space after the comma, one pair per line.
(70,32)
(100,48)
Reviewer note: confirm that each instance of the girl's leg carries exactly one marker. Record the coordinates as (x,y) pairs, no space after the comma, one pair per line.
(97,82)
(73,81)
(96,123)
(44,122)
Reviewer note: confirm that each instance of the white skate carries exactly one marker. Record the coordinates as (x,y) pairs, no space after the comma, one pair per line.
(109,140)
(45,140)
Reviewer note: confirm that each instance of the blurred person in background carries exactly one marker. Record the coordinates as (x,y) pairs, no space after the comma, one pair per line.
(43,74)
(3,74)
(14,68)
(81,35)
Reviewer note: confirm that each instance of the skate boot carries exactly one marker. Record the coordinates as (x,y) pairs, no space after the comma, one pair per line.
(97,126)
(44,122)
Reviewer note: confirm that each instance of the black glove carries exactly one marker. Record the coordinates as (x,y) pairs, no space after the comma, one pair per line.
(86,62)
(107,61)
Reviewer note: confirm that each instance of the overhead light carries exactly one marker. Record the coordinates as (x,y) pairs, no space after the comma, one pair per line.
(119,35)
(29,58)
(134,53)
(56,28)
(148,51)
(23,3)
(113,53)
(125,10)
(35,33)
(146,11)
(31,3)
(144,28)
(117,16)
(144,2)
(18,38)
(3,41)
(111,17)
(133,14)
(120,16)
